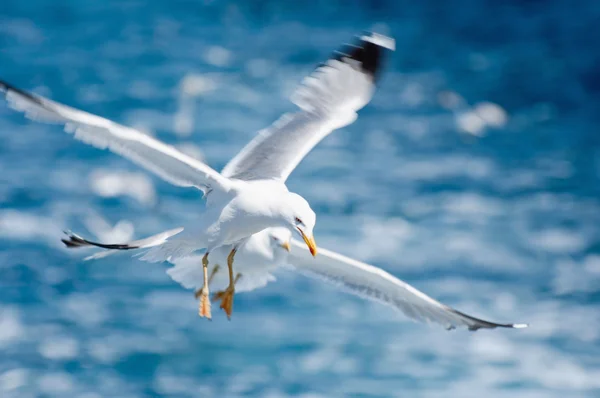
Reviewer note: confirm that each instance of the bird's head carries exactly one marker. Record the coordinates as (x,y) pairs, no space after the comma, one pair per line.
(300,218)
(279,239)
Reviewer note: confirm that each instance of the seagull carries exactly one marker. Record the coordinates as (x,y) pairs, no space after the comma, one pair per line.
(274,248)
(250,195)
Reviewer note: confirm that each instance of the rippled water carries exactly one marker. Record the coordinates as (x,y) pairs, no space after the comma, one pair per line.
(473,174)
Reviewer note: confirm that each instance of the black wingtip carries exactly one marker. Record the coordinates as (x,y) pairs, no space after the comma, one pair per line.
(368,51)
(75,241)
(71,244)
(7,87)
(482,324)
(67,243)
(491,325)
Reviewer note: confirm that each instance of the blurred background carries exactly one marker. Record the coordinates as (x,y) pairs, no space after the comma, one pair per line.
(473,175)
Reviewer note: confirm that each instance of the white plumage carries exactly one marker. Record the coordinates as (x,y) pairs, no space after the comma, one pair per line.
(329,99)
(376,284)
(162,159)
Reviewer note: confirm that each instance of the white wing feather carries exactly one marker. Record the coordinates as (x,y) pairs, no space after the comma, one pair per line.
(374,283)
(162,159)
(329,99)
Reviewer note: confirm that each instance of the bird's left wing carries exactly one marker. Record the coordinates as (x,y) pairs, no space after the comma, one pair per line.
(329,99)
(374,283)
(158,157)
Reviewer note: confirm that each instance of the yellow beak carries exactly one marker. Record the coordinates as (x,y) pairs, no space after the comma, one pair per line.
(310,242)
(286,246)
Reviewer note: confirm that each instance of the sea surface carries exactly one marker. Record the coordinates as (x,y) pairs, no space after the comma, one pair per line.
(474,174)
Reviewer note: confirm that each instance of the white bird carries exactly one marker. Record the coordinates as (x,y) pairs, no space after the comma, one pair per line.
(251,195)
(272,248)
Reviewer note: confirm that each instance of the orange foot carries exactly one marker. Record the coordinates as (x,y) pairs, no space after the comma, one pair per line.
(204,308)
(226,297)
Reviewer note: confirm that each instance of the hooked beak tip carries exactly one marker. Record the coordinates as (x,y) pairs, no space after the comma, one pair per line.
(313,249)
(310,242)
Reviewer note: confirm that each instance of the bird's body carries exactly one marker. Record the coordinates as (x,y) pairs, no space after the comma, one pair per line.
(230,217)
(257,204)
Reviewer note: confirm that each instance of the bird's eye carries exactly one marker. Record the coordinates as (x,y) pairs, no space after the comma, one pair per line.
(299,221)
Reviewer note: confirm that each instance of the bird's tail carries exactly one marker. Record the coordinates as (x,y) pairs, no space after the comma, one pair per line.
(74,241)
(345,83)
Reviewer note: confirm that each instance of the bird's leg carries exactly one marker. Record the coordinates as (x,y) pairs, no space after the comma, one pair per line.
(204,307)
(220,294)
(226,296)
(198,292)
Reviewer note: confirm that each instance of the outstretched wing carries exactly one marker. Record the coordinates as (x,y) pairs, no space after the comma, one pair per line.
(162,159)
(329,99)
(376,284)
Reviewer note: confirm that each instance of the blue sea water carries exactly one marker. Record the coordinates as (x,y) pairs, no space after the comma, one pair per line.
(473,175)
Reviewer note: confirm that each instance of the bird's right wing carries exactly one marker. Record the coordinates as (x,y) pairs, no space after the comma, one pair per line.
(162,159)
(328,100)
(374,283)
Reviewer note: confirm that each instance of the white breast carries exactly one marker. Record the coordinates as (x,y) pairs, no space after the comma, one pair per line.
(254,208)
